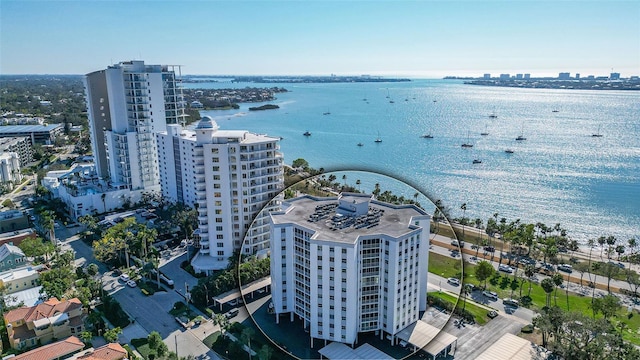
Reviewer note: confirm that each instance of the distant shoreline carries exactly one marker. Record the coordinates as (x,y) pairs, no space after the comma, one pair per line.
(561,84)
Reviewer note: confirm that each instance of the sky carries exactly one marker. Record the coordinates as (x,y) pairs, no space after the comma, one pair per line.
(427,39)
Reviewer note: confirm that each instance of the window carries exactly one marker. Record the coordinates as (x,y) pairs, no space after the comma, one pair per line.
(220,253)
(220,244)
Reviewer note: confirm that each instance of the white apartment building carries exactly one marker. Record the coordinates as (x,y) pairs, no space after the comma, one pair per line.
(228,176)
(127,104)
(349,264)
(10,168)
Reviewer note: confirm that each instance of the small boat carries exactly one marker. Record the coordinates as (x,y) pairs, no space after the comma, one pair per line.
(388,93)
(307,133)
(360,144)
(477,161)
(597,134)
(407,99)
(493,115)
(521,136)
(326,113)
(554,110)
(427,136)
(508,151)
(378,140)
(485,132)
(435,100)
(391,101)
(468,144)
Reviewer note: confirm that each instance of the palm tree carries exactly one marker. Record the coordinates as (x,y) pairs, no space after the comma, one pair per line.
(464,211)
(611,242)
(104,204)
(344,178)
(548,286)
(358,182)
(529,271)
(591,243)
(376,189)
(601,241)
(221,321)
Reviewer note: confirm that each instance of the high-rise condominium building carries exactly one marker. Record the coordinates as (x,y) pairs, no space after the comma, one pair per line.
(349,264)
(127,104)
(228,176)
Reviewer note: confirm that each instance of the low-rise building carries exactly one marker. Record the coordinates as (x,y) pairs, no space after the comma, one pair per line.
(12,220)
(85,193)
(37,134)
(11,257)
(53,319)
(111,351)
(20,279)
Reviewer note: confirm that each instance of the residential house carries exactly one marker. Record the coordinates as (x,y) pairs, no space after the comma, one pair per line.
(41,324)
(57,350)
(11,257)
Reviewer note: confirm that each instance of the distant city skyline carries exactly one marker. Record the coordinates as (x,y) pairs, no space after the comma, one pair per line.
(427,39)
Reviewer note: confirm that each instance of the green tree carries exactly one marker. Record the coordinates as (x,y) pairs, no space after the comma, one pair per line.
(484,270)
(92,270)
(222,321)
(265,352)
(548,286)
(557,281)
(610,271)
(111,335)
(607,305)
(57,281)
(300,163)
(86,337)
(245,337)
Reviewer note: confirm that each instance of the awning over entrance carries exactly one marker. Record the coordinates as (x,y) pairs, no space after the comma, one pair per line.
(427,337)
(246,289)
(337,350)
(511,347)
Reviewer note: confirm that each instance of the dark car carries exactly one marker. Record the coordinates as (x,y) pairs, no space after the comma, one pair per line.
(489,249)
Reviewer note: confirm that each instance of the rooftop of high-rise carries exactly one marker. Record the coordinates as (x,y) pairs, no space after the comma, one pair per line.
(348,216)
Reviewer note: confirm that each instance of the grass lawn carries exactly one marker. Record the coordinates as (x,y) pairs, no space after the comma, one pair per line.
(142,347)
(479,314)
(209,340)
(446,266)
(575,302)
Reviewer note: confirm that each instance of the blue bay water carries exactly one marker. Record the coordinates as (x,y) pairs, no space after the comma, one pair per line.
(560,174)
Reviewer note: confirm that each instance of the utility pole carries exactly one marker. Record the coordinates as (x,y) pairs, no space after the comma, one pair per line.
(176,340)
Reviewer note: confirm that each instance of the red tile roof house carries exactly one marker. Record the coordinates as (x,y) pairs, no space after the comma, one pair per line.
(111,351)
(71,349)
(56,350)
(43,323)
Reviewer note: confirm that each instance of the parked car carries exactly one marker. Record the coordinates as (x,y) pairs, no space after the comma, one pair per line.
(505,268)
(125,277)
(489,249)
(510,302)
(132,283)
(231,313)
(453,281)
(471,287)
(565,268)
(233,302)
(492,314)
(490,294)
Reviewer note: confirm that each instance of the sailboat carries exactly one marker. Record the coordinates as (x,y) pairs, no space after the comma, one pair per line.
(307,133)
(521,136)
(427,136)
(508,151)
(327,112)
(388,93)
(493,115)
(378,140)
(468,144)
(360,144)
(477,161)
(485,132)
(597,134)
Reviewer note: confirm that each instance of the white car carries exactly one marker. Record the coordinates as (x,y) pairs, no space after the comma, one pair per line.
(125,277)
(490,294)
(453,281)
(132,283)
(505,268)
(510,302)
